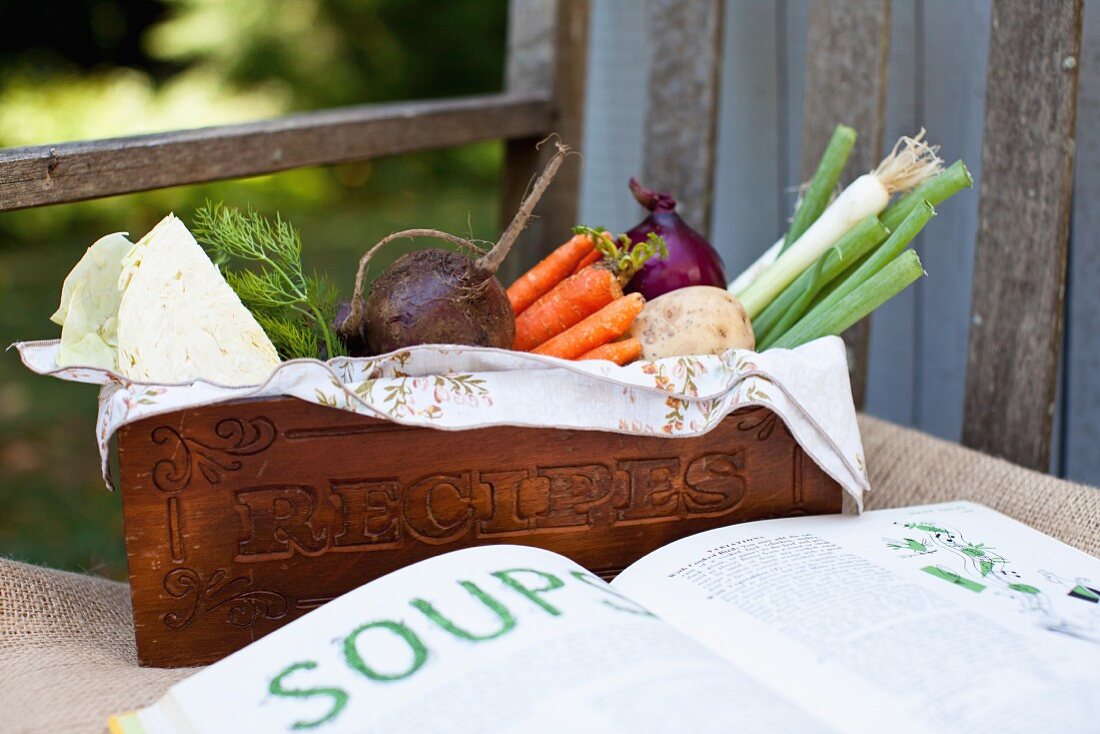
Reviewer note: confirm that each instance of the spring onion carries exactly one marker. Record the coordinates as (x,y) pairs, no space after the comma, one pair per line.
(823,184)
(935,190)
(748,275)
(796,298)
(909,164)
(872,293)
(898,240)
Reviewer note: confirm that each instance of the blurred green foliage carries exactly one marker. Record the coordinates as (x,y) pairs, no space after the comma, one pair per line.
(120,67)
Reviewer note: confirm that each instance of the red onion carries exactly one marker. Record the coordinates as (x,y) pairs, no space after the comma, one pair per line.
(691,259)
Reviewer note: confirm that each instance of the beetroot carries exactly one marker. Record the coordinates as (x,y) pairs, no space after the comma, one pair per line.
(691,259)
(438,296)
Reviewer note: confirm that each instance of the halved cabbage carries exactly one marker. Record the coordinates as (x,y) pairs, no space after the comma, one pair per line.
(89,305)
(179,320)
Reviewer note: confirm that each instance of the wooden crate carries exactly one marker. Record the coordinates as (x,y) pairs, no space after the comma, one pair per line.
(242,516)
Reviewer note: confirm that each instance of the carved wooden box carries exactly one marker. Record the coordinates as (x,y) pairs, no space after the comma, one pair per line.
(243,516)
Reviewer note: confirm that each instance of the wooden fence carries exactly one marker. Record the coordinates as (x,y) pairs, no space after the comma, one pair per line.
(936,70)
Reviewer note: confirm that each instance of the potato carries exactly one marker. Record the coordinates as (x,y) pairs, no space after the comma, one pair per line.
(700,319)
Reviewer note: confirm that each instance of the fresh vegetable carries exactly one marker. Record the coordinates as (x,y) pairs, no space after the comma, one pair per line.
(586,292)
(295,310)
(909,164)
(796,298)
(178,319)
(437,296)
(590,259)
(607,324)
(577,297)
(88,313)
(933,191)
(355,343)
(823,184)
(701,319)
(691,260)
(620,352)
(554,268)
(872,293)
(749,274)
(898,240)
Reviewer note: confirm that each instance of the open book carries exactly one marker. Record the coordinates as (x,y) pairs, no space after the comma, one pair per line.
(915,619)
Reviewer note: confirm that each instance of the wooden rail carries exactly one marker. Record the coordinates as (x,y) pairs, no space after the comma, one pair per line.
(54,174)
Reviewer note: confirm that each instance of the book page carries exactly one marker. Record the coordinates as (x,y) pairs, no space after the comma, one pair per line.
(500,639)
(946,615)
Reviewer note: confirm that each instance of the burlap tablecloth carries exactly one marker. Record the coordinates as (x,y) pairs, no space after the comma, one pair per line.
(67,657)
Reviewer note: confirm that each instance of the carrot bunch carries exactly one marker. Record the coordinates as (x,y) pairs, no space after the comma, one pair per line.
(571,305)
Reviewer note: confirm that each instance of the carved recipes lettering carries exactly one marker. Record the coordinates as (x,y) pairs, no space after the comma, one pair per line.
(369,513)
(280,518)
(574,494)
(654,489)
(279,521)
(715,483)
(437,508)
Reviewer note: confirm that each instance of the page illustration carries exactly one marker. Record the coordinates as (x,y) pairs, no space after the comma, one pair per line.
(972,562)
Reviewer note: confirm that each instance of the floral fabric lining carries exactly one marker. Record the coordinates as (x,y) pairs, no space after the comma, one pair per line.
(457,387)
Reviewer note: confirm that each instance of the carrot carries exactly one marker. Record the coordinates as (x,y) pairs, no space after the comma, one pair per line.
(621,352)
(554,268)
(571,300)
(587,260)
(610,322)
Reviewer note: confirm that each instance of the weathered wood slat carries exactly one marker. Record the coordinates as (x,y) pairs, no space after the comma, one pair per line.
(847,51)
(52,174)
(747,177)
(615,90)
(547,52)
(1020,256)
(954,50)
(893,339)
(681,116)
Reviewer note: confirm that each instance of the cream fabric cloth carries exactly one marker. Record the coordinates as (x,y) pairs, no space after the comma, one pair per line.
(67,656)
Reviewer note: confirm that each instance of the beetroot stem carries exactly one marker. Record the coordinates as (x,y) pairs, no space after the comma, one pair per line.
(490,261)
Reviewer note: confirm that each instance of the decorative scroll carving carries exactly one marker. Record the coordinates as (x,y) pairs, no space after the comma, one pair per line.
(244,605)
(212,459)
(761,420)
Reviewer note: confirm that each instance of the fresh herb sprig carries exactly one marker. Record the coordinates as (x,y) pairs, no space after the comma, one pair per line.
(294,309)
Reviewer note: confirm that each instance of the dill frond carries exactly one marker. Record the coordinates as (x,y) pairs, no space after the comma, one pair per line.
(261,260)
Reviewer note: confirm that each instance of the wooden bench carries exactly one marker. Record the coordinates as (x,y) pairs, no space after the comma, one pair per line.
(1020,262)
(83,635)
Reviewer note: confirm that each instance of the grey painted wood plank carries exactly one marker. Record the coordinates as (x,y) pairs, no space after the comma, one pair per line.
(750,207)
(796,17)
(955,46)
(891,352)
(530,66)
(1082,357)
(52,174)
(1020,255)
(547,47)
(682,90)
(615,110)
(847,53)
